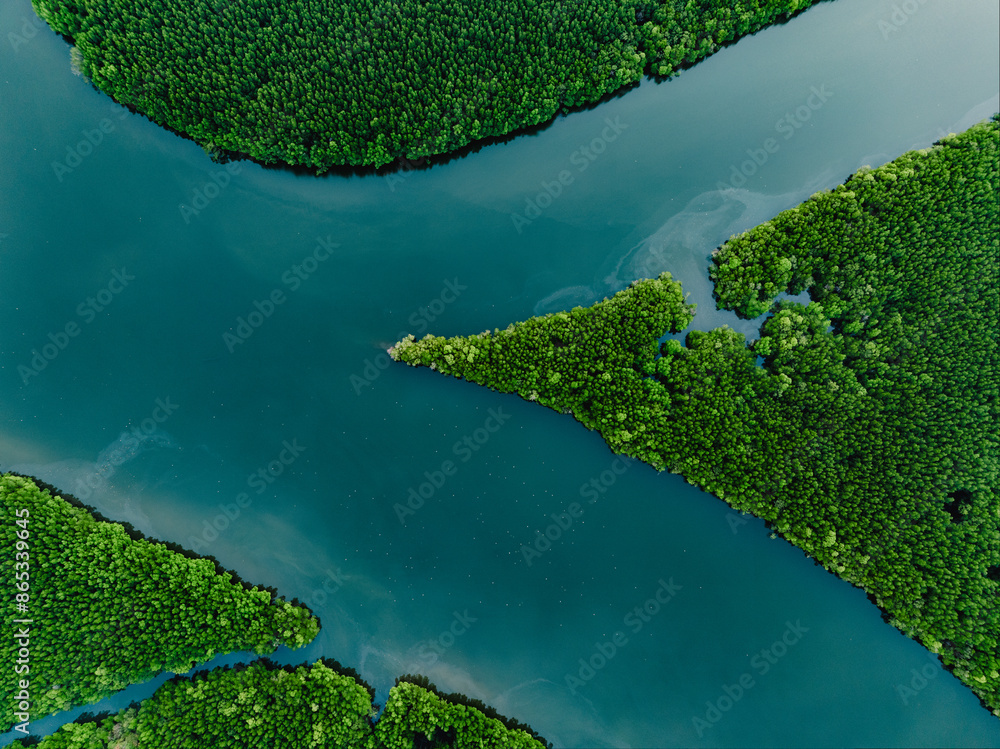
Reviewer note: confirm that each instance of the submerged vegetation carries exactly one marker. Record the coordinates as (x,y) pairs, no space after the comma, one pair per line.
(869,436)
(320,83)
(107,609)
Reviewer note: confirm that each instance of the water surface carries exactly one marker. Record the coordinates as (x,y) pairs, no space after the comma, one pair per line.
(439,250)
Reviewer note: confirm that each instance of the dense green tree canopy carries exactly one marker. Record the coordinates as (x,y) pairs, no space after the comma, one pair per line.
(869,436)
(263,706)
(321,83)
(260,705)
(418,716)
(107,611)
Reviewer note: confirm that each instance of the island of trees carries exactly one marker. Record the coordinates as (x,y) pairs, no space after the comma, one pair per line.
(869,434)
(320,83)
(98,607)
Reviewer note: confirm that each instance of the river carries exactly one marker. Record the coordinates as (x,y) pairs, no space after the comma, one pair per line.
(161,406)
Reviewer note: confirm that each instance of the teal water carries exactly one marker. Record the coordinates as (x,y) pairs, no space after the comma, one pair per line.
(438,250)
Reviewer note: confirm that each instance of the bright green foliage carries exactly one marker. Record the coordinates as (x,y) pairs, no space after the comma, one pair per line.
(114,732)
(89,736)
(109,611)
(260,705)
(324,82)
(415,718)
(870,436)
(263,705)
(575,361)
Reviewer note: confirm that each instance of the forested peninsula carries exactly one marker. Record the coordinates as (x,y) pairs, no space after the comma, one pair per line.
(869,434)
(98,607)
(319,83)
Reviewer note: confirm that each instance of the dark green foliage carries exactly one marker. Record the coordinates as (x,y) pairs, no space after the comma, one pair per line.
(870,436)
(320,83)
(109,611)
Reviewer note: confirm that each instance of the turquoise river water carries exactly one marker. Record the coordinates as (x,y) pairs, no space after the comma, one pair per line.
(162,405)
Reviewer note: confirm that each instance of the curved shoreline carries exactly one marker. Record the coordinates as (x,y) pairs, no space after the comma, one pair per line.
(863,395)
(514,90)
(99,722)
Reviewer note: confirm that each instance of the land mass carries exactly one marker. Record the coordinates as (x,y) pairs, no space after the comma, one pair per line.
(100,607)
(318,83)
(869,435)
